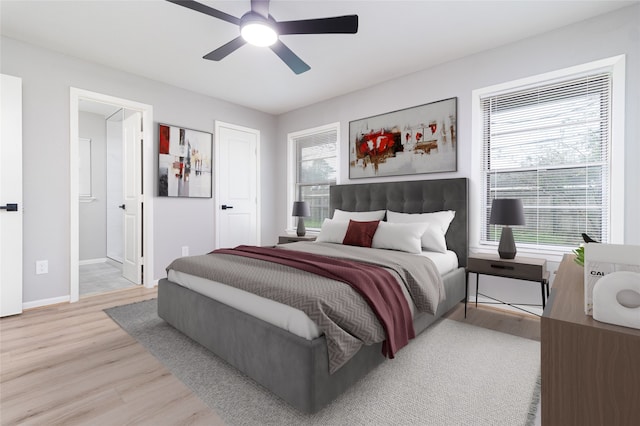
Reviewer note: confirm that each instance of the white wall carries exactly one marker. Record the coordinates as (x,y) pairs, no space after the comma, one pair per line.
(47,77)
(605,36)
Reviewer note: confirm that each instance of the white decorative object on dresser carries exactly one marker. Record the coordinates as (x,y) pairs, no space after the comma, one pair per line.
(616,299)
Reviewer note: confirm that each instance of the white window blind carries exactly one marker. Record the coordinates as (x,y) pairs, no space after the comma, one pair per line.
(315,171)
(549,146)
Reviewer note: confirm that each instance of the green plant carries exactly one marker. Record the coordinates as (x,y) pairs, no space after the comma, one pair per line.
(579,252)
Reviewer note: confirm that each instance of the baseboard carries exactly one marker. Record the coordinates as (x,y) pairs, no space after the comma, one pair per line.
(45,302)
(92,261)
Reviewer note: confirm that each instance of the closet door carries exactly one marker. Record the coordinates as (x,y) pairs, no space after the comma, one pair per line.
(11,196)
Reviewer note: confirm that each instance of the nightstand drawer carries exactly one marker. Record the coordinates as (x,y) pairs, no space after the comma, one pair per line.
(286,239)
(511,269)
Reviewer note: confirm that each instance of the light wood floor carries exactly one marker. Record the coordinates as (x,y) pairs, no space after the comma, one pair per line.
(71,364)
(523,325)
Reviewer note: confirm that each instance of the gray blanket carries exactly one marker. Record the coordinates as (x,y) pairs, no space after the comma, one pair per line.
(339,311)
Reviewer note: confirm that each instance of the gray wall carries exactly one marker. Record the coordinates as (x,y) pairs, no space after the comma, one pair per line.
(609,35)
(605,36)
(93,215)
(46,78)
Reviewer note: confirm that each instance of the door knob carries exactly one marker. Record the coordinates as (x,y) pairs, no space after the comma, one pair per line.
(10,207)
(225,207)
(122,206)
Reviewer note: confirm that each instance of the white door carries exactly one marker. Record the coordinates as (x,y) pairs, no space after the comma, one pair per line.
(132,186)
(115,197)
(11,196)
(237,196)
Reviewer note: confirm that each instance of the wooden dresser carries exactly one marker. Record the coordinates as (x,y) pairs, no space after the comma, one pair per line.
(590,369)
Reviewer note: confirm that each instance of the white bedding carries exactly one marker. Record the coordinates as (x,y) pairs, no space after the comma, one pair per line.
(291,319)
(445,262)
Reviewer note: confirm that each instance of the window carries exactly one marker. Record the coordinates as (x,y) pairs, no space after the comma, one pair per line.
(550,145)
(313,168)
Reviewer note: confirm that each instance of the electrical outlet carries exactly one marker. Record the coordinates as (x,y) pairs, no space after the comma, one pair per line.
(42,267)
(185,250)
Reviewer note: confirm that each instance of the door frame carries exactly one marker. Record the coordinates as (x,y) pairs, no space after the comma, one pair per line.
(218,125)
(148,167)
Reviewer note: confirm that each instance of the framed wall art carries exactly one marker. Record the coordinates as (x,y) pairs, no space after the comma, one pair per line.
(185,162)
(421,139)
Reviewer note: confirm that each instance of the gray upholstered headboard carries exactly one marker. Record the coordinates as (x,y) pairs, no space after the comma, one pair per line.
(422,196)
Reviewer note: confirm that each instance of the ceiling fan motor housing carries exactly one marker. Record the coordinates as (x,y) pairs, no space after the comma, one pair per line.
(258,30)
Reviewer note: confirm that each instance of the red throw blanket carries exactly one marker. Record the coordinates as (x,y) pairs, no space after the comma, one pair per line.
(376,285)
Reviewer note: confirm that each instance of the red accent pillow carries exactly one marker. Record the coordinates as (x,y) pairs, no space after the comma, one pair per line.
(360,233)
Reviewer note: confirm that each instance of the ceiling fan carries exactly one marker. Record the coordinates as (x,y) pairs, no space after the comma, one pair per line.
(258,27)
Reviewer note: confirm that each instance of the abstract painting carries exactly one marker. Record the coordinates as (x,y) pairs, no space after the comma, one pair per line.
(185,162)
(421,139)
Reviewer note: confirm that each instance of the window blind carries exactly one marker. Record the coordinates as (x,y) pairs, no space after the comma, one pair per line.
(316,163)
(549,146)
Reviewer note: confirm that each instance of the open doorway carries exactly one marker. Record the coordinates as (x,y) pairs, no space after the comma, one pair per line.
(101,198)
(111,170)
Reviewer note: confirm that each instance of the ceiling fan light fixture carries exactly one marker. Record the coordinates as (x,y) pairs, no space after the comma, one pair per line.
(259,28)
(258,33)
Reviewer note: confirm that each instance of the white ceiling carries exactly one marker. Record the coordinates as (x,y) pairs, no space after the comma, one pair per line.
(165,42)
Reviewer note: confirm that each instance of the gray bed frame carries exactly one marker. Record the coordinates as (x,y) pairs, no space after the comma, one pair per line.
(296,369)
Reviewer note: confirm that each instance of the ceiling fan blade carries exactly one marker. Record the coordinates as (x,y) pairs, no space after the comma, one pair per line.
(199,7)
(261,7)
(292,60)
(337,25)
(226,49)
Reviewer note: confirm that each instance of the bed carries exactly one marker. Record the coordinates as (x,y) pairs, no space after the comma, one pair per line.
(296,368)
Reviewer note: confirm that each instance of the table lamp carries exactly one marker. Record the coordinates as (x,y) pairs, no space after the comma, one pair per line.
(507,212)
(301,210)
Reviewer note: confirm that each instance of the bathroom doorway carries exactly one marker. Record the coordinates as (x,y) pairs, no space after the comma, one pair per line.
(101,211)
(110,148)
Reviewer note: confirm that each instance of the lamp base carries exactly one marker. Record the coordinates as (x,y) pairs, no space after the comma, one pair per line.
(301,229)
(507,247)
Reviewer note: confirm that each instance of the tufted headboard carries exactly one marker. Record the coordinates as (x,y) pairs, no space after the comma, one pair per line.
(422,196)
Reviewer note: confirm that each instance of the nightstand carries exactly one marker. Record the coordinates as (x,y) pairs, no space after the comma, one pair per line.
(285,239)
(520,268)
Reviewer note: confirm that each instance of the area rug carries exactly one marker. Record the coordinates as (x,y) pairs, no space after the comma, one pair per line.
(451,374)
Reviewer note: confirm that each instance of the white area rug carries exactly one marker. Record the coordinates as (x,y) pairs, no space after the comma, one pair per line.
(451,374)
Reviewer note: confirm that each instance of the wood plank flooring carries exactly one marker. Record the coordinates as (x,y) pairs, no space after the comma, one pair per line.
(71,364)
(517,324)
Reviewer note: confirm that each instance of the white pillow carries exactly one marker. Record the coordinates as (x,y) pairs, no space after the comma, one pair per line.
(332,231)
(433,238)
(399,236)
(345,216)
